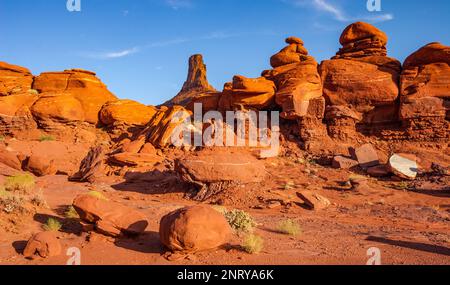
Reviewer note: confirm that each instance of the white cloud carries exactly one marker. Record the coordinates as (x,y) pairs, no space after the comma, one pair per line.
(158,44)
(178,4)
(338,13)
(113,54)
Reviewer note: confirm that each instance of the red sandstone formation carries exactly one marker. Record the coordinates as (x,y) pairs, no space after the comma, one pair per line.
(425,96)
(296,78)
(362,78)
(196,85)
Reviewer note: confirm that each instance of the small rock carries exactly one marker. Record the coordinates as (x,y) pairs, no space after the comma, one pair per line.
(378,171)
(367,156)
(403,167)
(44,244)
(40,166)
(313,200)
(341,162)
(110,218)
(274,205)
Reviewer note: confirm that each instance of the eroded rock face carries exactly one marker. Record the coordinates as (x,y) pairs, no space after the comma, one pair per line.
(110,218)
(44,244)
(247,93)
(57,107)
(215,170)
(361,76)
(14,79)
(83,85)
(160,129)
(196,84)
(425,96)
(194,229)
(91,167)
(127,112)
(296,78)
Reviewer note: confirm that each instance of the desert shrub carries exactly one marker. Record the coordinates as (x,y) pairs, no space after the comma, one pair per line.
(39,200)
(240,221)
(220,209)
(289,227)
(23,183)
(71,213)
(253,244)
(12,204)
(46,138)
(52,225)
(98,195)
(2,138)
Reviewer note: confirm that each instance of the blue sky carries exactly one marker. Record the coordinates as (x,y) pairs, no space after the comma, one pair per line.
(139,48)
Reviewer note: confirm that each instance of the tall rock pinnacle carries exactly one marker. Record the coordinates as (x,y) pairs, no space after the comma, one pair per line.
(196,83)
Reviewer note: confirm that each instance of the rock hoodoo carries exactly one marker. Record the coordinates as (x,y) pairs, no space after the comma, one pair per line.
(362,78)
(296,79)
(425,96)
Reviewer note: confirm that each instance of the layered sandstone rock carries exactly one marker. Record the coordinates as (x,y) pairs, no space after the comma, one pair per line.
(14,79)
(213,171)
(194,229)
(110,218)
(425,96)
(162,126)
(247,93)
(127,112)
(82,85)
(16,98)
(44,244)
(361,77)
(196,84)
(296,78)
(60,107)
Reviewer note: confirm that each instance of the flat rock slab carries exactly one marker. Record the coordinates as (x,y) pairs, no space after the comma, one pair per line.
(341,162)
(212,166)
(135,159)
(110,218)
(313,200)
(404,167)
(367,156)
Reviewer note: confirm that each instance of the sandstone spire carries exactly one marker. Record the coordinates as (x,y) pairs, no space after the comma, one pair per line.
(196,83)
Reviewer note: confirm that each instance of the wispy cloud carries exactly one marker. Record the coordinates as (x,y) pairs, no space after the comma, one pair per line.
(179,4)
(112,54)
(158,44)
(338,13)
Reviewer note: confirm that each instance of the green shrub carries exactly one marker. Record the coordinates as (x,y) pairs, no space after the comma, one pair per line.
(46,138)
(23,183)
(2,138)
(240,221)
(289,227)
(52,225)
(98,195)
(253,244)
(71,213)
